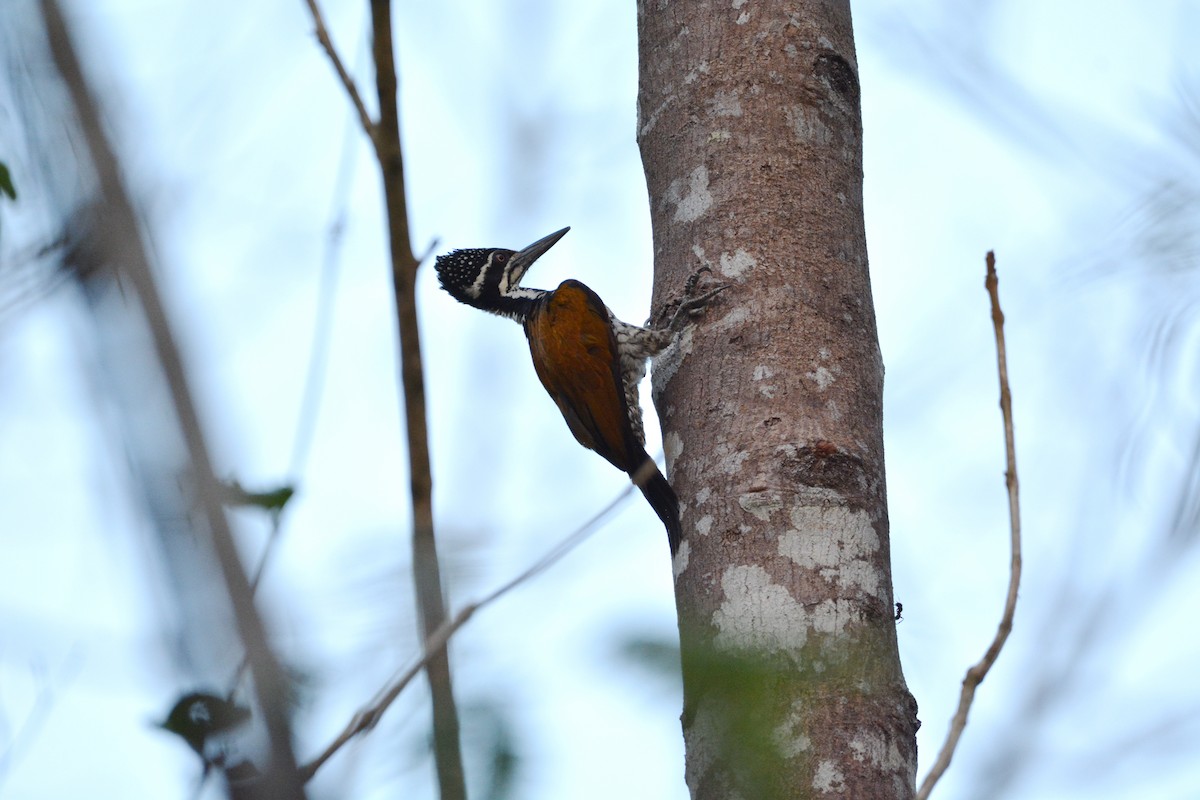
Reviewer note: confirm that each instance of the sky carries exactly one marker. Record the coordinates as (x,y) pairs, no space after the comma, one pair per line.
(1057,134)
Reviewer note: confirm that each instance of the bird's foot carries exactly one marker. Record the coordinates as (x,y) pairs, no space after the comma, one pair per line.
(695,299)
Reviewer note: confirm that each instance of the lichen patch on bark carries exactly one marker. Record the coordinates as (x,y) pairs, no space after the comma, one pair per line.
(672,447)
(680,562)
(691,198)
(737,264)
(758,615)
(828,778)
(838,543)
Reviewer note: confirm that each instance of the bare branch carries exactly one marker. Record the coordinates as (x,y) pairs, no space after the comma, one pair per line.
(976,674)
(435,644)
(427,579)
(364,117)
(113,240)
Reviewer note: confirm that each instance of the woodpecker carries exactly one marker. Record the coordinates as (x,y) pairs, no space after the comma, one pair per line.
(589,361)
(211,725)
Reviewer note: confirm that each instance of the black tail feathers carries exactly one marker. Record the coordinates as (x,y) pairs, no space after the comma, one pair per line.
(661,498)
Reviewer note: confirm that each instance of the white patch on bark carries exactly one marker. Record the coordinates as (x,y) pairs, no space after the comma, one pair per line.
(726,104)
(885,756)
(703,495)
(736,265)
(729,461)
(704,526)
(828,778)
(690,203)
(834,616)
(719,136)
(729,409)
(680,562)
(693,74)
(738,3)
(761,373)
(822,377)
(758,615)
(649,124)
(672,447)
(743,18)
(877,751)
(734,318)
(704,738)
(761,505)
(788,739)
(836,542)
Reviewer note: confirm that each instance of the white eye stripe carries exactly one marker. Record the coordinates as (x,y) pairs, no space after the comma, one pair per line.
(476,288)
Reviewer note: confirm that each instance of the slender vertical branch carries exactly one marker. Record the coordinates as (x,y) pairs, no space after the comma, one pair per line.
(976,674)
(385,135)
(115,242)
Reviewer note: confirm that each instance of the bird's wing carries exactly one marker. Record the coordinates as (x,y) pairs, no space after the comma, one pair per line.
(575,355)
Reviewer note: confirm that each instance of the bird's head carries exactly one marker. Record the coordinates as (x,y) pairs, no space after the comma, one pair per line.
(198,715)
(486,277)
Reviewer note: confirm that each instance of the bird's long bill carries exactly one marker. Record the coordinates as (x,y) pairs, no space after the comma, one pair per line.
(524,258)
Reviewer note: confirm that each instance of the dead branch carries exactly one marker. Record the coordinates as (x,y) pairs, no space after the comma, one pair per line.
(976,674)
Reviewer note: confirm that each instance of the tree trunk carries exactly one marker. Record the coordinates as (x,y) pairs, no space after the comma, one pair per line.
(771,405)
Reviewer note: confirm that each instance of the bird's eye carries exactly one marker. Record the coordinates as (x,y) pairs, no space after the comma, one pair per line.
(501,258)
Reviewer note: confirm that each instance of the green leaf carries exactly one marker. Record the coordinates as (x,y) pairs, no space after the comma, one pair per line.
(270,500)
(6,184)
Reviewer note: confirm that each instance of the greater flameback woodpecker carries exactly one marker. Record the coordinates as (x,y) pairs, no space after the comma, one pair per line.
(589,361)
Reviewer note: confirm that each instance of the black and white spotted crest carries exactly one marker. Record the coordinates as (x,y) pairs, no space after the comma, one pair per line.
(467,274)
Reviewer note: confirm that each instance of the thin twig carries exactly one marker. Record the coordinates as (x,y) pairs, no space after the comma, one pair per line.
(322,336)
(368,717)
(364,117)
(976,674)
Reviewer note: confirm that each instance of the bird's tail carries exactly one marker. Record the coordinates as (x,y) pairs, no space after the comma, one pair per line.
(661,497)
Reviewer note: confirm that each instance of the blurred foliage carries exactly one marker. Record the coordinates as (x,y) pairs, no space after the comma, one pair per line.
(272,500)
(491,744)
(729,695)
(6,182)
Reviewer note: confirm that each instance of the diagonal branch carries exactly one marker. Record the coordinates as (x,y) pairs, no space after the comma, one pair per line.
(976,674)
(364,117)
(435,643)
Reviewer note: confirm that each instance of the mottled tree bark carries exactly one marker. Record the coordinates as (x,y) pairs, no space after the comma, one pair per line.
(771,405)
